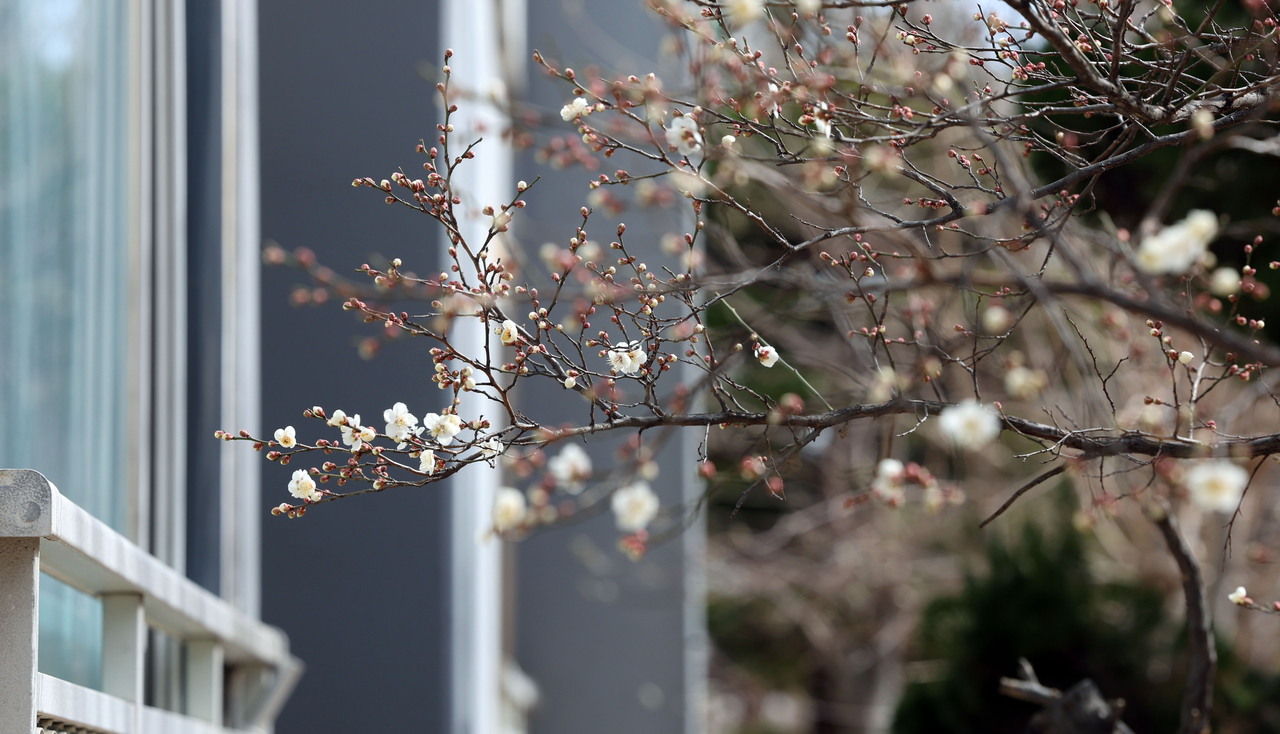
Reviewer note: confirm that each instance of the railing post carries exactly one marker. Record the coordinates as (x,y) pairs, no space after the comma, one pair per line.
(124,648)
(204,680)
(19,635)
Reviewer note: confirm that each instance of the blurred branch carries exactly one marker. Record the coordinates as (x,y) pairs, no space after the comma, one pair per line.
(1081,710)
(1197,700)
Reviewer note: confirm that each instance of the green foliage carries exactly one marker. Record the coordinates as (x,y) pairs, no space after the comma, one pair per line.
(757,641)
(1246,701)
(1038,601)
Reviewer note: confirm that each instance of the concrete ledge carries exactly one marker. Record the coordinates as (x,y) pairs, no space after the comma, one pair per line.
(26,504)
(69,703)
(84,552)
(75,707)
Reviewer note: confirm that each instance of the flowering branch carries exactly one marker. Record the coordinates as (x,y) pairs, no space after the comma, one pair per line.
(864,205)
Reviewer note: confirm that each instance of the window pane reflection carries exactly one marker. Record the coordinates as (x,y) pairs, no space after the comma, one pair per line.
(65,279)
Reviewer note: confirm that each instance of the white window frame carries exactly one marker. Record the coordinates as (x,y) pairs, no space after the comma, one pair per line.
(241,546)
(162,494)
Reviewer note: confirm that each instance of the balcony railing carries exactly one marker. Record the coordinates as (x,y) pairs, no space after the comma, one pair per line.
(238,673)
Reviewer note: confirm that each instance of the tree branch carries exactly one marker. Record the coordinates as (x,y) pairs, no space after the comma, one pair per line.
(1197,700)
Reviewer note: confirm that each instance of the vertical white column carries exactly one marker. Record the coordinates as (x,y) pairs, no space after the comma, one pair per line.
(19,636)
(204,680)
(124,649)
(168,511)
(472,28)
(141,265)
(241,261)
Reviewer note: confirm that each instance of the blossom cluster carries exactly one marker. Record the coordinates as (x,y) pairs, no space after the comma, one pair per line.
(1177,248)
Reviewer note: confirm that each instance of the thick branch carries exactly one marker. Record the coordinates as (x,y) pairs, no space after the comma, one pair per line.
(1093,442)
(1197,700)
(1081,710)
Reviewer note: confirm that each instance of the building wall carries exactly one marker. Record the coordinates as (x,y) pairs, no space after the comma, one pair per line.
(358,584)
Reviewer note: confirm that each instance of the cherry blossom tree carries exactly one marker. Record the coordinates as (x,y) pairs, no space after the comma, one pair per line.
(910,217)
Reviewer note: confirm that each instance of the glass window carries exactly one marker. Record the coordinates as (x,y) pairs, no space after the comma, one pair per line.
(70,634)
(64,249)
(66,280)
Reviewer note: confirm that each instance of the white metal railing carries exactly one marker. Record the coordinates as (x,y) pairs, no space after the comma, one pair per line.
(239,671)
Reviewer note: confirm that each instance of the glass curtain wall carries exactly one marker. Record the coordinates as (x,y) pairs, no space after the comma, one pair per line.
(65,280)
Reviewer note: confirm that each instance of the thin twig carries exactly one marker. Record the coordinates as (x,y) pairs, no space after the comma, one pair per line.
(1025,488)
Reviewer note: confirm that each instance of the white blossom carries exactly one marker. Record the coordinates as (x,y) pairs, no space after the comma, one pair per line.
(771,107)
(890,481)
(969,425)
(400,423)
(1224,282)
(1201,224)
(934,499)
(569,383)
(354,434)
(1176,248)
(767,355)
(337,418)
(570,468)
(492,447)
(682,132)
(286,437)
(744,11)
(578,106)
(634,506)
(821,121)
(442,427)
(508,509)
(728,141)
(996,320)
(501,219)
(590,251)
(427,462)
(648,470)
(1238,596)
(1025,383)
(1216,485)
(884,385)
(1186,357)
(509,332)
(303,486)
(1202,123)
(626,357)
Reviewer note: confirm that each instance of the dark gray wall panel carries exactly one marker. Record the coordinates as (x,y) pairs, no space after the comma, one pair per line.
(357,584)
